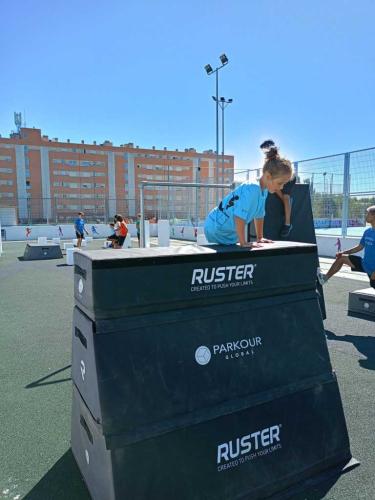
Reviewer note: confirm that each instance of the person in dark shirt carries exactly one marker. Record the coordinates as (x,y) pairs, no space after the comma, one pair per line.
(138,227)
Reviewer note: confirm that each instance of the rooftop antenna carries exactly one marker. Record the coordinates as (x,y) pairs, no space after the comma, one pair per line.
(18,121)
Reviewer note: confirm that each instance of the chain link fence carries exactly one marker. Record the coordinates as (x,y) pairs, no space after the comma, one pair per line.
(188,205)
(342,186)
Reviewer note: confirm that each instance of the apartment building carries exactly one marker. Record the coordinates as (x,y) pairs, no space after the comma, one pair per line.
(47,180)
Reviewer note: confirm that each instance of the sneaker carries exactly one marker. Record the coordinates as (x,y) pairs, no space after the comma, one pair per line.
(285,230)
(321,277)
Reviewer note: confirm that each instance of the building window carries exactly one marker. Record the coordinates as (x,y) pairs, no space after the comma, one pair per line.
(66,184)
(68,207)
(6,182)
(6,195)
(92,163)
(76,173)
(5,158)
(75,163)
(6,170)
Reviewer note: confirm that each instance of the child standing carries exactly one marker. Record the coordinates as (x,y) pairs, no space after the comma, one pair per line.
(338,245)
(357,263)
(138,227)
(226,223)
(80,229)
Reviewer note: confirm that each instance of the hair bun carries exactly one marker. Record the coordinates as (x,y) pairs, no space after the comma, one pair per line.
(270,149)
(267,144)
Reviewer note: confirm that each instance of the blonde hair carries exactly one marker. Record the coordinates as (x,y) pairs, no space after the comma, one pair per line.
(274,163)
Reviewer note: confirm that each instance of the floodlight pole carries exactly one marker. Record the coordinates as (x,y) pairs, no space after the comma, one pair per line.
(210,71)
(217,131)
(223,104)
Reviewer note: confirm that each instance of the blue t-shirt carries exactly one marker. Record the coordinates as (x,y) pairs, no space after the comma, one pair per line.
(368,242)
(80,224)
(247,202)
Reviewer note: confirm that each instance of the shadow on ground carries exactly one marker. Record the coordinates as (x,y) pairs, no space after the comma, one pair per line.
(63,481)
(365,345)
(316,492)
(317,487)
(42,381)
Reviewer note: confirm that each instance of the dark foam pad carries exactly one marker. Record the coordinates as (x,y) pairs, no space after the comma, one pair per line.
(301,219)
(115,284)
(146,374)
(301,216)
(253,452)
(362,303)
(35,251)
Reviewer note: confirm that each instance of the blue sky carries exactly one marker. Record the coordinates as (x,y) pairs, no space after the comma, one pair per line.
(300,72)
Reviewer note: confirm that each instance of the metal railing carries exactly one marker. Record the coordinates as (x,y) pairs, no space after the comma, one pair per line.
(342,186)
(185,185)
(172,203)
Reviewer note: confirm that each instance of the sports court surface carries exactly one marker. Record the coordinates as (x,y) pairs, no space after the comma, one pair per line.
(337,231)
(36,304)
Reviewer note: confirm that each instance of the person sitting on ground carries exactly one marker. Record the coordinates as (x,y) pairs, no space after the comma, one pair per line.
(112,237)
(79,226)
(121,230)
(365,264)
(226,223)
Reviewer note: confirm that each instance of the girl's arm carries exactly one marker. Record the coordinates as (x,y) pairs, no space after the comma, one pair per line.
(259,223)
(240,229)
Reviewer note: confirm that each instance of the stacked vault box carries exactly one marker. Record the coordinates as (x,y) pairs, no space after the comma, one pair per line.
(202,373)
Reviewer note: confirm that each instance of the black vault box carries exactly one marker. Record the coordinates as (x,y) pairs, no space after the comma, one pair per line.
(362,303)
(115,284)
(45,251)
(144,375)
(250,453)
(302,220)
